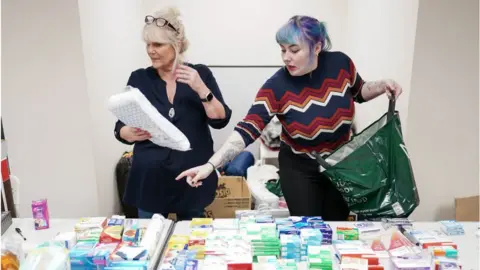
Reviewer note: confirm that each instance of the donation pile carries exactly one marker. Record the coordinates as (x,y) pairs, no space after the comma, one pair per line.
(288,243)
(298,243)
(100,243)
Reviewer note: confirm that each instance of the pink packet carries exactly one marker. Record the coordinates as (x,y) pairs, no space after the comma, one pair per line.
(40,213)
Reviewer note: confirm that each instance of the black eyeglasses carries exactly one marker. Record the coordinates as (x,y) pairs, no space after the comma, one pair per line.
(160,22)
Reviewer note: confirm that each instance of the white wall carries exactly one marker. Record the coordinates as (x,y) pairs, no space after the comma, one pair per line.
(46,107)
(443,116)
(239,94)
(112,49)
(381,37)
(243,32)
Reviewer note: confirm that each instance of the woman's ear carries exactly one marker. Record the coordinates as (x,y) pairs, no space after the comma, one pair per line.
(180,46)
(318,48)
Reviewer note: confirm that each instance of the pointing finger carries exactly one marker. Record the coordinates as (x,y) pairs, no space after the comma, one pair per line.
(184,173)
(181,175)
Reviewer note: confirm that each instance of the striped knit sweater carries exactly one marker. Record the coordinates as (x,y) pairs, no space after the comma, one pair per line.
(316,110)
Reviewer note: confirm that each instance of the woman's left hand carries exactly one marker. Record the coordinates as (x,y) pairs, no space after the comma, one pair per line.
(190,76)
(392,89)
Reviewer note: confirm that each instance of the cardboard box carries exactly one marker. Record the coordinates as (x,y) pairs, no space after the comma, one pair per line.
(467,209)
(232,194)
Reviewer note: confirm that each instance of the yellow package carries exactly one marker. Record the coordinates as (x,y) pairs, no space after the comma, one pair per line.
(199,251)
(200,255)
(176,238)
(199,222)
(199,234)
(178,242)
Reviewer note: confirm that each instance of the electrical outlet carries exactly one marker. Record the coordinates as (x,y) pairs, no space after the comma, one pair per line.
(15,189)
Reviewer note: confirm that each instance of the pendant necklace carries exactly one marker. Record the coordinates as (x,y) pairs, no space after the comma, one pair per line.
(171,112)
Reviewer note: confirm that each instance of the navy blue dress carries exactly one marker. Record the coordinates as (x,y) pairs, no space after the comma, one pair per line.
(151,184)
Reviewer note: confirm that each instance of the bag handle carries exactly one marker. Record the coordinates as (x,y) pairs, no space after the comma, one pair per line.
(324,164)
(391,108)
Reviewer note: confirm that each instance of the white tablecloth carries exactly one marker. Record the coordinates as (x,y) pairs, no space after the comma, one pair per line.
(35,237)
(468,244)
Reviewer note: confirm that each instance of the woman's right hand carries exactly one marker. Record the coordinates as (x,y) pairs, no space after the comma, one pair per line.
(132,134)
(195,175)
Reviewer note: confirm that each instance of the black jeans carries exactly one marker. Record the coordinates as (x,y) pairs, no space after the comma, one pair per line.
(307,191)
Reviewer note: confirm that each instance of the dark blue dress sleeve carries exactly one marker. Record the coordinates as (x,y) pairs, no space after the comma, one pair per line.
(119,124)
(211,83)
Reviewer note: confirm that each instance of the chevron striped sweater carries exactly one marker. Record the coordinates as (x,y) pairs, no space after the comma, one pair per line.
(316,110)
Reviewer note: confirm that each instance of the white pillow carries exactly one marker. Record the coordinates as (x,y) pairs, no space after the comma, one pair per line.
(134,109)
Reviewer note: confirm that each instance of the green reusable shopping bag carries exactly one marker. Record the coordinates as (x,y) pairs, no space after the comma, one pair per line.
(373,171)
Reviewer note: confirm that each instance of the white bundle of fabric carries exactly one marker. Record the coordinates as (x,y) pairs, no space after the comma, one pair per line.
(271,134)
(133,109)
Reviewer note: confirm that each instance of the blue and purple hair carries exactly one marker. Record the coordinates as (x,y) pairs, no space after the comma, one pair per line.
(306,30)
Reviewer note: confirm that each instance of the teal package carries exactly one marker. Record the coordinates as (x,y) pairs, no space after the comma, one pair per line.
(130,265)
(81,256)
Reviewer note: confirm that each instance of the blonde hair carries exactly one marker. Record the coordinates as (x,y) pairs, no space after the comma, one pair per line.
(166,35)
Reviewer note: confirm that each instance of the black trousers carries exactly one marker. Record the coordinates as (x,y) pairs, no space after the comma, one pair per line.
(189,215)
(307,191)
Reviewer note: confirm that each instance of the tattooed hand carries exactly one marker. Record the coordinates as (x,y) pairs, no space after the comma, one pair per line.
(229,150)
(392,89)
(194,175)
(373,89)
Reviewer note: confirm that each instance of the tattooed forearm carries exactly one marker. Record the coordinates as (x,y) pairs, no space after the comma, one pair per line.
(229,150)
(371,90)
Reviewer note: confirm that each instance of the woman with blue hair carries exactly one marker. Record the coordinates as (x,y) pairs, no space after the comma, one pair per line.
(313,96)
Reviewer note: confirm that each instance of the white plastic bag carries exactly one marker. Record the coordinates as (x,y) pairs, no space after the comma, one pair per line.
(48,256)
(133,109)
(257,176)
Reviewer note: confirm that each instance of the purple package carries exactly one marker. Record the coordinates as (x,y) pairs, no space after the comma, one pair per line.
(40,213)
(288,230)
(191,265)
(414,262)
(306,219)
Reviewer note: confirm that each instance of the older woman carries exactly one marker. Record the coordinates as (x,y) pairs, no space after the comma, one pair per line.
(313,97)
(190,98)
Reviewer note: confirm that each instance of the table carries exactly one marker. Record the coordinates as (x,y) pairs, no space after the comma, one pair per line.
(35,237)
(468,244)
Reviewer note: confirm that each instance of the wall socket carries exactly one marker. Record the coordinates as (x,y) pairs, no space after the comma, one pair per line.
(15,189)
